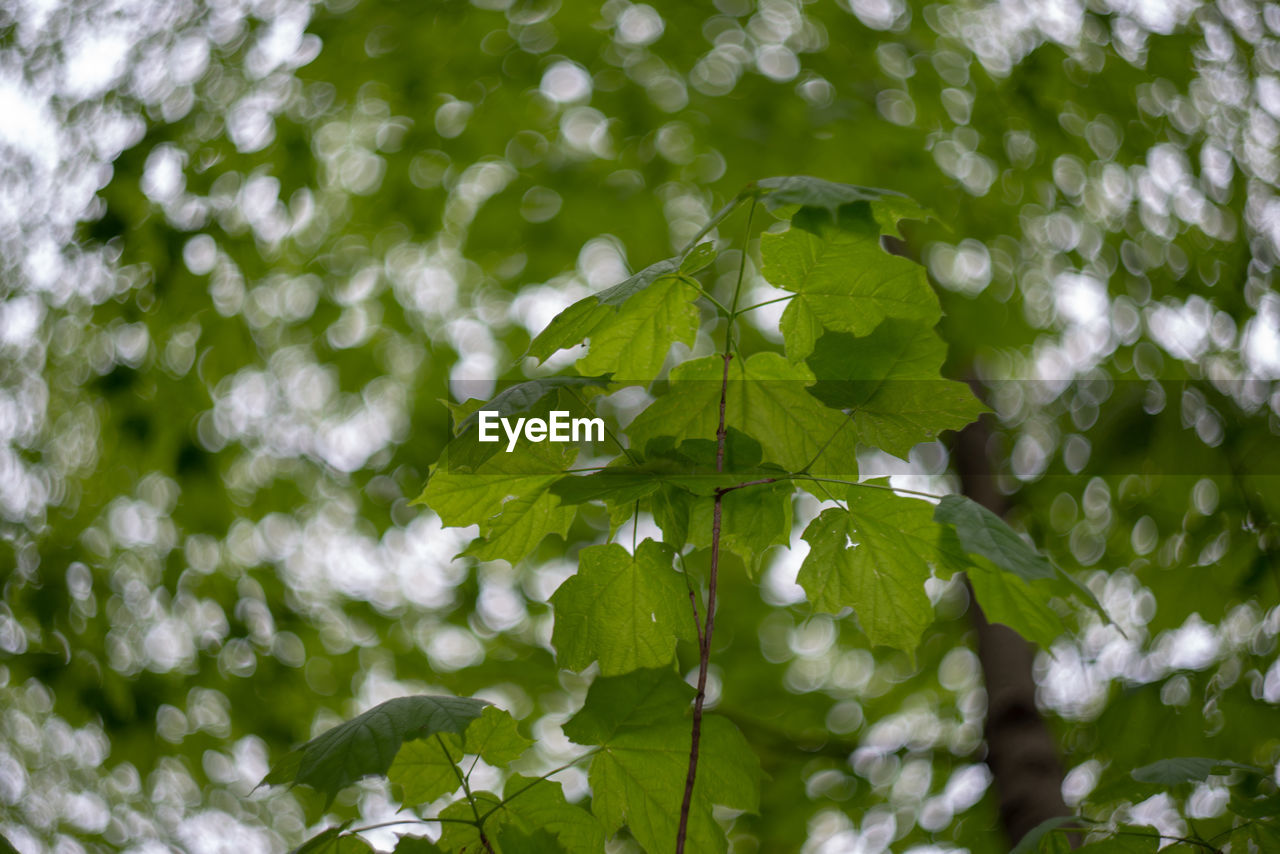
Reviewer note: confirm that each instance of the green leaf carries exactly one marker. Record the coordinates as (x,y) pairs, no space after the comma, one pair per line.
(1266,835)
(752,519)
(532,399)
(524,522)
(633,342)
(637,777)
(767,399)
(529,807)
(1264,807)
(804,191)
(875,558)
(367,744)
(842,278)
(539,805)
(415,845)
(459,838)
(699,258)
(671,508)
(891,382)
(615,485)
(6,847)
(1188,769)
(525,397)
(1030,841)
(984,533)
(495,737)
(626,611)
(631,325)
(1021,605)
(331,841)
(691,466)
(616,705)
(507,497)
(513,839)
(1129,840)
(428,768)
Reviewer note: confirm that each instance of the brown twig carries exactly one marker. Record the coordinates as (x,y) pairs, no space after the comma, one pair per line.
(704,641)
(704,651)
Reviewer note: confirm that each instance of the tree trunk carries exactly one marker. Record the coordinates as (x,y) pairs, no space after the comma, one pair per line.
(1021,752)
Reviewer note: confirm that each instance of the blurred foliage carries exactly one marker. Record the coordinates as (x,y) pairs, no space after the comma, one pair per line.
(246,248)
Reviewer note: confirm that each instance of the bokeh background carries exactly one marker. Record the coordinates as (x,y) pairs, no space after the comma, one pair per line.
(247,247)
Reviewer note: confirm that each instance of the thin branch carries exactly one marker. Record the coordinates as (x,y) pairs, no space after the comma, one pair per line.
(762,481)
(693,601)
(704,651)
(466,789)
(704,644)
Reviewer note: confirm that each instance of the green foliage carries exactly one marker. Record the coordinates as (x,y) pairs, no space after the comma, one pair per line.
(191,554)
(843,280)
(333,841)
(640,726)
(625,611)
(874,557)
(716,458)
(367,744)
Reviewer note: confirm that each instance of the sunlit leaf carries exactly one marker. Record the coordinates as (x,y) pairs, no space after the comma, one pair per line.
(875,558)
(625,611)
(843,280)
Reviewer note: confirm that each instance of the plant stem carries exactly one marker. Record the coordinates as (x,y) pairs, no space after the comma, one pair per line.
(693,602)
(704,646)
(466,789)
(692,282)
(766,302)
(574,761)
(717,219)
(353,830)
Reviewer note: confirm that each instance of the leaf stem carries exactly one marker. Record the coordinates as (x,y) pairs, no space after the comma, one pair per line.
(353,830)
(694,283)
(766,302)
(635,525)
(719,217)
(518,792)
